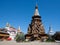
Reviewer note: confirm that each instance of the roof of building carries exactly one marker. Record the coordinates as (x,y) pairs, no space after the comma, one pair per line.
(36,13)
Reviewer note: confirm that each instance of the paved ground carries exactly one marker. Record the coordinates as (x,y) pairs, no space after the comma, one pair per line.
(27,43)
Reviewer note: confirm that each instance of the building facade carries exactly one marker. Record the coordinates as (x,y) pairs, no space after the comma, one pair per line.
(11,30)
(3,34)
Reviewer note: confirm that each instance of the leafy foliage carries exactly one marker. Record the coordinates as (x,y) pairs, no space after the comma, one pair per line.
(20,37)
(50,39)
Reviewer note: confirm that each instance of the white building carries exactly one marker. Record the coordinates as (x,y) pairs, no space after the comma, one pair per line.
(11,30)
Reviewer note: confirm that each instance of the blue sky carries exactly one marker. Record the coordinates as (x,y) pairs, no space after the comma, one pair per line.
(20,12)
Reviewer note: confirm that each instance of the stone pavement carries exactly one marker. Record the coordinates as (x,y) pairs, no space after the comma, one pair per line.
(27,43)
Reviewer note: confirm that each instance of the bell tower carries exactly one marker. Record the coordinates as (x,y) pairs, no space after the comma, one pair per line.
(36,29)
(36,26)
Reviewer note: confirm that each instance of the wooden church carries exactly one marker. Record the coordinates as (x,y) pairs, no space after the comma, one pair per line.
(36,29)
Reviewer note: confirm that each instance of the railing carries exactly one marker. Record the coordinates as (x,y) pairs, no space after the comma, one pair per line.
(3,35)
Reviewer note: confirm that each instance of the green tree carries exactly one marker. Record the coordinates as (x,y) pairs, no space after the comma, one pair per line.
(20,37)
(50,39)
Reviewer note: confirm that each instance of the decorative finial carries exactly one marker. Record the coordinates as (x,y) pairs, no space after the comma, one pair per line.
(36,13)
(36,6)
(19,30)
(7,24)
(50,30)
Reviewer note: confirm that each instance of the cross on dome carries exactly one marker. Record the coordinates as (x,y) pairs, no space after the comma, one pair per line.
(36,13)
